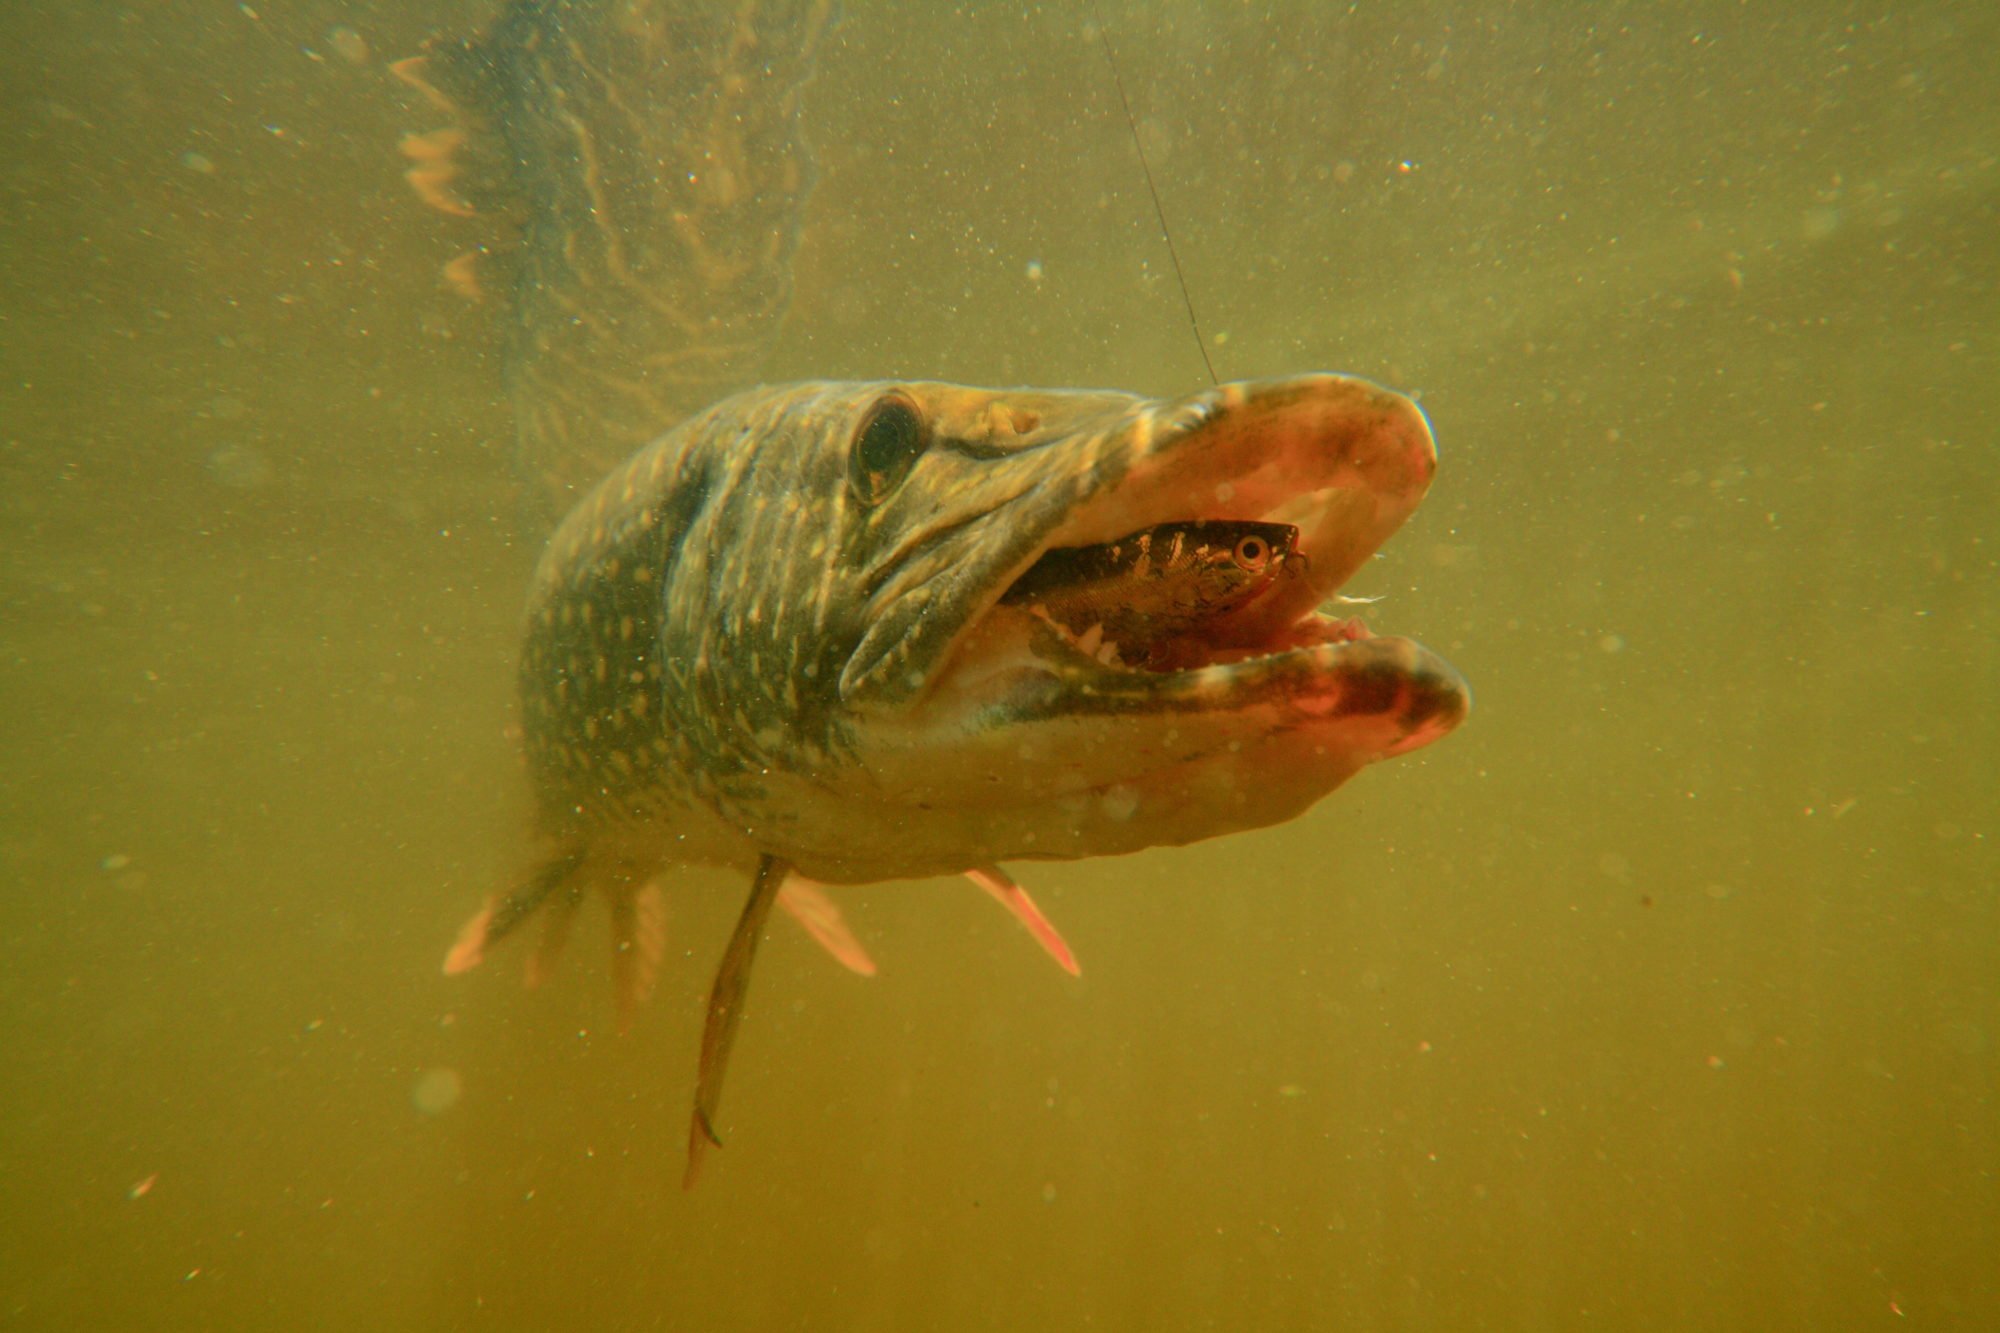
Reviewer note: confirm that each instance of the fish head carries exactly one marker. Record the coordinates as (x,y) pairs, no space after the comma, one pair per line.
(896,714)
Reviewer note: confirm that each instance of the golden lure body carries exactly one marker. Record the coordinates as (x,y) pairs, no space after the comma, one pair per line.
(1138,599)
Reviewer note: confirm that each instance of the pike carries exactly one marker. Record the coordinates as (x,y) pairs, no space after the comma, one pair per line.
(780,639)
(807,633)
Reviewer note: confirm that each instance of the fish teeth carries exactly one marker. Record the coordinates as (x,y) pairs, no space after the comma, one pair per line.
(1088,641)
(1108,655)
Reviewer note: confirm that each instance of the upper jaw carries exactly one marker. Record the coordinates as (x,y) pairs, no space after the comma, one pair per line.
(1344,460)
(1341,459)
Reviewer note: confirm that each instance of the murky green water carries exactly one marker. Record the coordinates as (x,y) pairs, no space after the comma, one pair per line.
(1661,995)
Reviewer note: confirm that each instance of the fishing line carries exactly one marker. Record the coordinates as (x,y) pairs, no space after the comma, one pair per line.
(1201,343)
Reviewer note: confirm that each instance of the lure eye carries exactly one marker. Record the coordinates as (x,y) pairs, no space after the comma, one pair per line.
(1252,554)
(887,444)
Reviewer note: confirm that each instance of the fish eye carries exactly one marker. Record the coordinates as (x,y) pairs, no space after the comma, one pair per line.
(887,444)
(1252,553)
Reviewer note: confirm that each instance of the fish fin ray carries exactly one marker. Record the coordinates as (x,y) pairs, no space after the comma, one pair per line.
(557,918)
(638,943)
(468,950)
(808,904)
(497,919)
(1010,895)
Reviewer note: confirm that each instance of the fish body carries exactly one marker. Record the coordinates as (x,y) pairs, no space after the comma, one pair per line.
(733,648)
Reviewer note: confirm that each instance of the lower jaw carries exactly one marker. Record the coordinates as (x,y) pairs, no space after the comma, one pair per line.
(1086,650)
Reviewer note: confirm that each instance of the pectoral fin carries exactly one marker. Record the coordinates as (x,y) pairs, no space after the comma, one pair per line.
(1015,899)
(638,943)
(557,918)
(500,915)
(806,900)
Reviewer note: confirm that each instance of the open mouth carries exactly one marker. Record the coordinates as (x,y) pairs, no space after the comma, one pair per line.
(1028,588)
(1221,545)
(1174,597)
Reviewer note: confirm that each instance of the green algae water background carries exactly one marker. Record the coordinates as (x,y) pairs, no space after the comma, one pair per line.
(1665,994)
